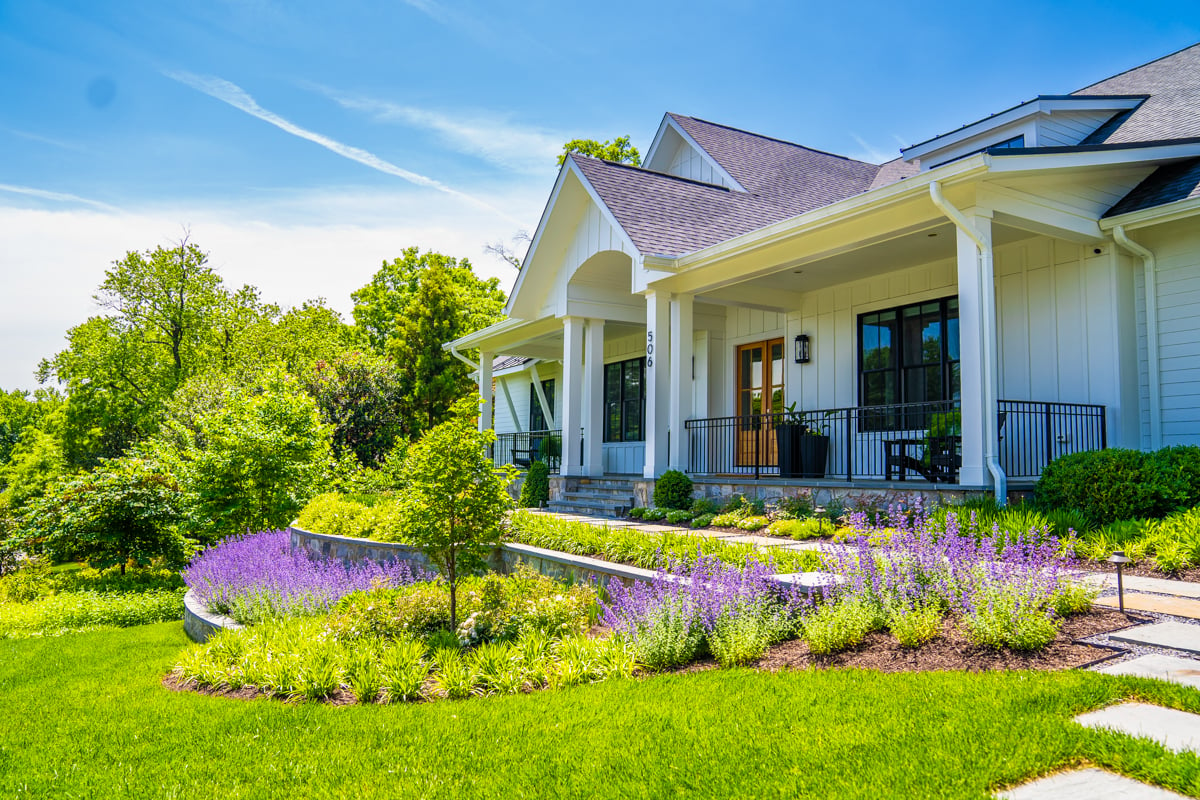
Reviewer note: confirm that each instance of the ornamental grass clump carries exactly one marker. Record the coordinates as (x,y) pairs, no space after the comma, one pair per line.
(259,577)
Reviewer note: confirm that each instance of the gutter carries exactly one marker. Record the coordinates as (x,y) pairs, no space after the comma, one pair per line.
(988,314)
(474,365)
(1150,272)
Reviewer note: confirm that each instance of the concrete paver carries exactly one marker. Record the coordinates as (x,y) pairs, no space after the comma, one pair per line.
(1171,635)
(1134,583)
(1185,671)
(1175,730)
(1136,601)
(1087,784)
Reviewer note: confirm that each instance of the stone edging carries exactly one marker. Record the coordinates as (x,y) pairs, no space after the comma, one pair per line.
(199,622)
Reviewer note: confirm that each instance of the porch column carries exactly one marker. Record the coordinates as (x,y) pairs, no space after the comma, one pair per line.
(977,348)
(658,388)
(681,378)
(593,429)
(485,390)
(572,411)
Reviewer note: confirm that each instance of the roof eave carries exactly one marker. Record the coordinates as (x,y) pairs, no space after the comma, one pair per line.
(1155,215)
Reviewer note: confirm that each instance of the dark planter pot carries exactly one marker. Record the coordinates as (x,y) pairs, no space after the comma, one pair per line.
(788,438)
(814,452)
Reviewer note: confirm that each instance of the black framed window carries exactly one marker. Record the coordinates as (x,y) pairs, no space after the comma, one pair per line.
(537,419)
(624,400)
(909,354)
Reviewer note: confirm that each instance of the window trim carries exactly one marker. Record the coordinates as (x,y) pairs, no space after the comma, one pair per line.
(535,405)
(623,401)
(898,368)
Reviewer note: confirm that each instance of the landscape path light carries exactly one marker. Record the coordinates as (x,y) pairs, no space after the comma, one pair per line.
(1120,559)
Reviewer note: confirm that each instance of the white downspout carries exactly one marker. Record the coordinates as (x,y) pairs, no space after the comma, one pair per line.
(1150,271)
(472,364)
(988,309)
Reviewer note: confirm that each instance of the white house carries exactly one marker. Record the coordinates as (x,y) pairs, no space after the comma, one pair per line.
(1024,286)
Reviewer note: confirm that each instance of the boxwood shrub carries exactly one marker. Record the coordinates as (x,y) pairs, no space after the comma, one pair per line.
(1111,485)
(536,489)
(673,490)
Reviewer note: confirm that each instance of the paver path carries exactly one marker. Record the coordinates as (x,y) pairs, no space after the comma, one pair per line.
(1087,784)
(1137,601)
(1185,671)
(1173,729)
(1134,583)
(1169,635)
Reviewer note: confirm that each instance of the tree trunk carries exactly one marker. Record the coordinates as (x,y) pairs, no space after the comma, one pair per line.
(452,577)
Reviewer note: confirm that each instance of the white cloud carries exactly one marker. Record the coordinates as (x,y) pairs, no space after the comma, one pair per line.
(51,261)
(870,153)
(237,97)
(58,197)
(491,137)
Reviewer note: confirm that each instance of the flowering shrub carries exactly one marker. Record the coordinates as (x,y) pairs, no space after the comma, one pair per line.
(257,577)
(738,612)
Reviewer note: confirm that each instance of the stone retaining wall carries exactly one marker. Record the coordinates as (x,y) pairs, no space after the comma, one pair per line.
(199,622)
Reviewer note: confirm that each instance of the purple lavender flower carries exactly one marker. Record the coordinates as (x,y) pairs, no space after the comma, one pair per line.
(259,576)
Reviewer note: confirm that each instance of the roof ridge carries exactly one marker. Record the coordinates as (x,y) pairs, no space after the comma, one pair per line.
(771,139)
(655,172)
(1136,68)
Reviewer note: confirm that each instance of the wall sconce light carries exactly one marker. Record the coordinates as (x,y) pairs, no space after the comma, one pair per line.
(803,354)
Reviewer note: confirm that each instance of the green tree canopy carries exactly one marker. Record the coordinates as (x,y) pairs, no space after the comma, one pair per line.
(619,150)
(361,396)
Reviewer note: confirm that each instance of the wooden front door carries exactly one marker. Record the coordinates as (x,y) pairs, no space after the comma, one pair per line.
(759,391)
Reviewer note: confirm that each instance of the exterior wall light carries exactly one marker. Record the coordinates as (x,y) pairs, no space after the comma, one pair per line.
(803,352)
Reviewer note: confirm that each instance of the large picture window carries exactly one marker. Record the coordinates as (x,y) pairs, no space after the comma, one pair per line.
(624,400)
(537,418)
(909,354)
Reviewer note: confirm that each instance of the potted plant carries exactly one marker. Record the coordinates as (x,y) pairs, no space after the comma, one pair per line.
(813,446)
(790,430)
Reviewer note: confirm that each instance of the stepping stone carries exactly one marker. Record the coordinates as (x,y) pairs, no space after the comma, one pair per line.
(1087,784)
(1174,730)
(660,528)
(1175,606)
(1171,635)
(1136,583)
(808,582)
(1185,671)
(752,539)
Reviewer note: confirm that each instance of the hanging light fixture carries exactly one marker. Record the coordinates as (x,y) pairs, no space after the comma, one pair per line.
(803,353)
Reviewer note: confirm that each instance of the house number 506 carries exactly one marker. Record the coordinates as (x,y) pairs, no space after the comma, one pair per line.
(649,348)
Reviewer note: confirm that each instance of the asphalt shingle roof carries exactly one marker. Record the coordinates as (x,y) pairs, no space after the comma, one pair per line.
(1167,184)
(670,216)
(1172,111)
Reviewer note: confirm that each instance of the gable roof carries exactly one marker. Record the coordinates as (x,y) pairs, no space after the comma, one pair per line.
(670,216)
(1171,110)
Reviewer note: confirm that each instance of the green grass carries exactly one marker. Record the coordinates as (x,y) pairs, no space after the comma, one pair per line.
(85,716)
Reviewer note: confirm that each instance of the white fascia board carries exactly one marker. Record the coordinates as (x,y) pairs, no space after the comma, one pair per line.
(537,236)
(666,123)
(1041,105)
(473,340)
(604,210)
(1167,212)
(1032,163)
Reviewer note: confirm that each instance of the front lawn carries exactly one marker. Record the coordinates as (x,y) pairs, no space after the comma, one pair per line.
(86,716)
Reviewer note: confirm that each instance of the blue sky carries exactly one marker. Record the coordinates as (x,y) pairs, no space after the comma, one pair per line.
(302,143)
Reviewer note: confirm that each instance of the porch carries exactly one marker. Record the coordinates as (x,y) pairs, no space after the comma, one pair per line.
(913,442)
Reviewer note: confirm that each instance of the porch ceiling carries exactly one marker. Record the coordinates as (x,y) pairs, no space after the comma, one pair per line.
(926,245)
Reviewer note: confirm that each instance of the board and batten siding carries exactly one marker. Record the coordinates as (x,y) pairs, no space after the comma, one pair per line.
(1176,247)
(518,385)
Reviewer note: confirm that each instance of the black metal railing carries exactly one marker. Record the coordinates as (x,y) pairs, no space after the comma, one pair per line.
(920,441)
(1032,434)
(854,441)
(520,449)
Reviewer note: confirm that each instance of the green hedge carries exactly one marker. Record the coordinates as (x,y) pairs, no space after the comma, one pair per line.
(536,489)
(1111,485)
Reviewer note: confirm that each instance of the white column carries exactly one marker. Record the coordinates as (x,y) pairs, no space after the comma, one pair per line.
(572,405)
(681,378)
(485,390)
(593,428)
(977,348)
(658,388)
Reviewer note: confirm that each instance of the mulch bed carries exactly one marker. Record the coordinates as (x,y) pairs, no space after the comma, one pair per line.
(952,651)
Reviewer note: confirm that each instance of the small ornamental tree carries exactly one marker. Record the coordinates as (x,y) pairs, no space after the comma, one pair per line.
(454,499)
